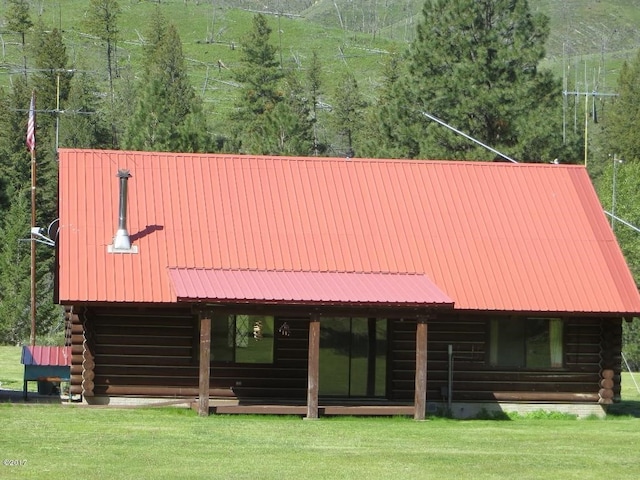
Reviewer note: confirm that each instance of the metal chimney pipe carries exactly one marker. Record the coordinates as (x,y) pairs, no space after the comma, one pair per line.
(121,240)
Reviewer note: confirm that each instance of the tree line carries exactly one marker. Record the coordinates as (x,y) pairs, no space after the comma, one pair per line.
(473,63)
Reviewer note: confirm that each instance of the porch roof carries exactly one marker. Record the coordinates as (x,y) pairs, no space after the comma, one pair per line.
(298,287)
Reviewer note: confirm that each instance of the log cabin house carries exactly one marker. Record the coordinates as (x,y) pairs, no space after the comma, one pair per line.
(331,285)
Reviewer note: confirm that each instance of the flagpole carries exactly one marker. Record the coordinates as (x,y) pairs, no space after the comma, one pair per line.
(32,148)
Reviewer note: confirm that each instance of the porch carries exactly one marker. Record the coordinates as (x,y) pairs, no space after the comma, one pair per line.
(326,407)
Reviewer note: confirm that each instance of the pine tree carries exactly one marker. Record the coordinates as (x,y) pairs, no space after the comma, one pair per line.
(15,285)
(474,64)
(102,21)
(288,128)
(261,76)
(315,89)
(167,103)
(53,75)
(83,125)
(14,159)
(52,85)
(348,112)
(624,116)
(18,20)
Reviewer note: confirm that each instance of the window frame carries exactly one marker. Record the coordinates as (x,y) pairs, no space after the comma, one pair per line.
(234,339)
(555,331)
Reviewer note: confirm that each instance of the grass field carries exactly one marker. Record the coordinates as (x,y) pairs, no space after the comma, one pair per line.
(57,441)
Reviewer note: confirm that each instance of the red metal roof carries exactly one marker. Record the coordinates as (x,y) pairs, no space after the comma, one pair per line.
(46,356)
(492,236)
(305,287)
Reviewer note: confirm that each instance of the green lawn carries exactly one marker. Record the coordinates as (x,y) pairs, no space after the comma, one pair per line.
(77,442)
(58,441)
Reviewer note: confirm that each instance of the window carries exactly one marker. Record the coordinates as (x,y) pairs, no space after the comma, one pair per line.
(353,357)
(242,339)
(527,343)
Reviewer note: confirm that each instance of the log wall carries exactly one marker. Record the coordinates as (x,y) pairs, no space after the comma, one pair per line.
(591,347)
(132,351)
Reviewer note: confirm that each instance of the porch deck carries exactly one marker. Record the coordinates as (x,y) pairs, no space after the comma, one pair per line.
(327,407)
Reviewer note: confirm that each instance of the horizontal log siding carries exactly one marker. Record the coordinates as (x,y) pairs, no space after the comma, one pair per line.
(141,351)
(475,379)
(156,353)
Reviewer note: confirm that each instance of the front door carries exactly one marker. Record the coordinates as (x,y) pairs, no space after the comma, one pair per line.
(353,357)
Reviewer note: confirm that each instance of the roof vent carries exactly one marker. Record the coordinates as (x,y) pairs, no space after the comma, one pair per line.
(121,240)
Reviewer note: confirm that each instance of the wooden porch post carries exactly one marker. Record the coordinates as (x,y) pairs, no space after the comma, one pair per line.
(420,402)
(313,367)
(205,364)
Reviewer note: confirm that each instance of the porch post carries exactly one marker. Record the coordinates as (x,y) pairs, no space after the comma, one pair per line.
(420,402)
(313,367)
(205,364)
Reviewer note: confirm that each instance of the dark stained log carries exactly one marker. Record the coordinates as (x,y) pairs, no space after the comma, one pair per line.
(313,367)
(127,341)
(420,402)
(205,365)
(76,349)
(76,328)
(157,339)
(158,361)
(75,389)
(261,409)
(147,350)
(126,390)
(543,397)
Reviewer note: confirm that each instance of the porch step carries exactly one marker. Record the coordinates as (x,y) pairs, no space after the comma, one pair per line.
(324,410)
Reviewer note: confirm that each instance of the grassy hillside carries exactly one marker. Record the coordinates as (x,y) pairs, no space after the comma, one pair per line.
(590,38)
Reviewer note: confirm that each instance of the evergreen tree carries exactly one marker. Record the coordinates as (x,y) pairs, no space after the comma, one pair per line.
(14,159)
(619,191)
(382,138)
(348,112)
(314,86)
(53,75)
(18,20)
(102,21)
(624,116)
(15,285)
(261,76)
(288,127)
(83,125)
(474,64)
(167,110)
(52,84)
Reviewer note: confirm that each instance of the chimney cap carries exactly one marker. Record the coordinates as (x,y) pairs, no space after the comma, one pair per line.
(123,173)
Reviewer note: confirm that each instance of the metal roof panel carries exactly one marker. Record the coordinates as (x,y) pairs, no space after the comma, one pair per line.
(46,356)
(305,287)
(492,236)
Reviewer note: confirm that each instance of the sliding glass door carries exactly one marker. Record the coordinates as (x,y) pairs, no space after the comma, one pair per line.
(353,357)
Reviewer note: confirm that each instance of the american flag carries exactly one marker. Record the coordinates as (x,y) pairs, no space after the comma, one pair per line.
(31,125)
